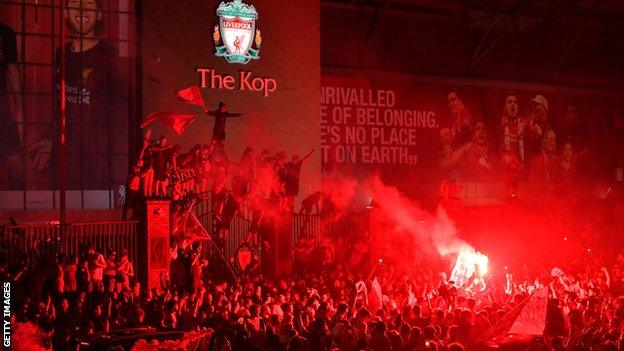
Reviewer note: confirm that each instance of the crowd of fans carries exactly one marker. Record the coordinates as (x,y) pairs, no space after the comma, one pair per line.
(333,305)
(341,294)
(265,183)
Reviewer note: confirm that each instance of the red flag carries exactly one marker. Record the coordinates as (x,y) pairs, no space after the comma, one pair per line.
(375,299)
(149,119)
(176,121)
(528,318)
(194,229)
(192,95)
(361,293)
(532,318)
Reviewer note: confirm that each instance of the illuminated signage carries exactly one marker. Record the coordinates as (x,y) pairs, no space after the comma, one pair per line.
(236,37)
(246,81)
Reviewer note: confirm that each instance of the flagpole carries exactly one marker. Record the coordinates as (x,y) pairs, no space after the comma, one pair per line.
(62,122)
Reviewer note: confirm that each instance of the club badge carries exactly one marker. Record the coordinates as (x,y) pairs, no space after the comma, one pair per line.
(236,37)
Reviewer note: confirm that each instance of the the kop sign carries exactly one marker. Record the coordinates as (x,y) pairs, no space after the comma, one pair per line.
(236,39)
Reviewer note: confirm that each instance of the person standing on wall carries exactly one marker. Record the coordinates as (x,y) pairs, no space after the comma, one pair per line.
(293,174)
(221,114)
(161,158)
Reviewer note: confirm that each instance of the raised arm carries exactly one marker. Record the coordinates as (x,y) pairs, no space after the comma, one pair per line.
(234,114)
(607,277)
(306,156)
(146,144)
(162,148)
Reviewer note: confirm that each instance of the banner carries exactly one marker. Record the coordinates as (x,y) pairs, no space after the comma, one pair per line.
(532,318)
(413,132)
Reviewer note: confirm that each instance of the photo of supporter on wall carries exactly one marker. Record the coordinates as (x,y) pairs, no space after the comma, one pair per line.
(90,71)
(11,111)
(99,75)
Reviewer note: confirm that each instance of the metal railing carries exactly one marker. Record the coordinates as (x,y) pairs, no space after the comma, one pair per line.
(238,228)
(349,226)
(34,245)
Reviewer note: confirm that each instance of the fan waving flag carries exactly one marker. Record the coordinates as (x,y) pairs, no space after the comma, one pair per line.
(526,318)
(361,293)
(192,95)
(176,121)
(375,299)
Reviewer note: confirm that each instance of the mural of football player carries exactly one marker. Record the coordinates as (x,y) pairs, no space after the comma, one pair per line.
(478,160)
(543,165)
(537,123)
(451,157)
(11,112)
(460,124)
(91,104)
(570,128)
(513,130)
(567,165)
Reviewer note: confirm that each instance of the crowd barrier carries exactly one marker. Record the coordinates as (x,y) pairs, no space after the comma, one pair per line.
(37,244)
(34,245)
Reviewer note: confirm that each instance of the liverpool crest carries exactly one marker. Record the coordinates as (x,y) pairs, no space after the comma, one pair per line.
(236,37)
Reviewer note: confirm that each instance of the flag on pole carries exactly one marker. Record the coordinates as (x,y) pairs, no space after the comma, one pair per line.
(528,318)
(176,121)
(375,300)
(411,298)
(186,228)
(195,229)
(192,95)
(361,293)
(532,318)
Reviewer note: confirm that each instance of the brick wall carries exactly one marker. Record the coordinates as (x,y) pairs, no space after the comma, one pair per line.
(157,241)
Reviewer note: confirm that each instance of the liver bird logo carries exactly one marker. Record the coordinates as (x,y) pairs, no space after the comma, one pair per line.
(86,72)
(237,42)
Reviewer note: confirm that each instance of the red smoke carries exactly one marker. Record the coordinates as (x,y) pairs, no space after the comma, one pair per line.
(402,231)
(340,192)
(28,337)
(190,341)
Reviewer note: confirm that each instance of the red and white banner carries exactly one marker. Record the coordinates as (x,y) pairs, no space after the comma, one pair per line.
(404,130)
(532,318)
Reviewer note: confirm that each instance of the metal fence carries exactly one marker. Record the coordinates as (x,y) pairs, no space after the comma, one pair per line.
(238,228)
(35,244)
(348,226)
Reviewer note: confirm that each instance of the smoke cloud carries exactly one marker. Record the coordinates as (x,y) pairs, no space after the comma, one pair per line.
(404,232)
(28,337)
